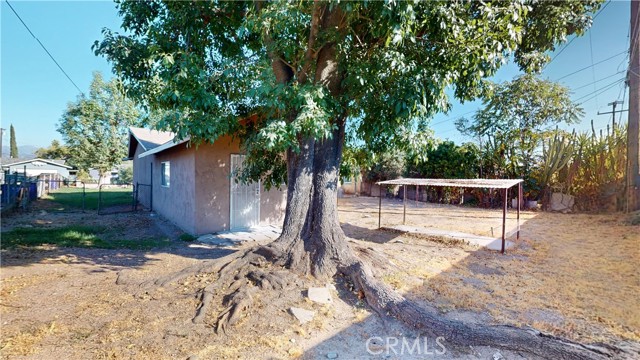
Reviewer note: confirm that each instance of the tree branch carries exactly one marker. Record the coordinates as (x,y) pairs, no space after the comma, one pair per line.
(313,34)
(282,71)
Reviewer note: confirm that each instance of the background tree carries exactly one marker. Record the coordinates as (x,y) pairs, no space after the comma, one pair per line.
(54,151)
(125,175)
(13,145)
(386,166)
(304,68)
(446,160)
(515,117)
(95,128)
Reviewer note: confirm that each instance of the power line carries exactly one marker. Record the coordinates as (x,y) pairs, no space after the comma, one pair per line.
(599,80)
(606,87)
(560,52)
(601,10)
(587,67)
(628,41)
(624,95)
(572,39)
(43,47)
(449,118)
(593,71)
(634,35)
(599,91)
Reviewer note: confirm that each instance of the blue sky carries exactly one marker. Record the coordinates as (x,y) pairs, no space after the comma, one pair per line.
(34,92)
(608,36)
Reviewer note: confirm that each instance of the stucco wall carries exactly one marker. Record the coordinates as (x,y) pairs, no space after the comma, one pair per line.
(176,202)
(272,206)
(212,191)
(198,199)
(142,175)
(213,186)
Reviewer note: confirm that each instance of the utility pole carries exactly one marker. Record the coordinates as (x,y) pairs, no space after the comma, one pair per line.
(633,130)
(613,104)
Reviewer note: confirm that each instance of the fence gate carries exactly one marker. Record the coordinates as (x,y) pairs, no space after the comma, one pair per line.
(114,199)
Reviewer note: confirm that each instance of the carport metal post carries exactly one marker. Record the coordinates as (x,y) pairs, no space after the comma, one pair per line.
(379,205)
(404,204)
(504,216)
(518,211)
(151,186)
(83,194)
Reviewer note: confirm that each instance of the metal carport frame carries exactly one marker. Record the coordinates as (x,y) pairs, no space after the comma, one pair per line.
(504,184)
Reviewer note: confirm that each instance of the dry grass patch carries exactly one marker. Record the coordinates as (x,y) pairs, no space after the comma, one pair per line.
(575,276)
(26,342)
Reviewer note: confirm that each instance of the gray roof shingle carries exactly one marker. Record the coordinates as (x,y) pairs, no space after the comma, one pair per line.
(150,139)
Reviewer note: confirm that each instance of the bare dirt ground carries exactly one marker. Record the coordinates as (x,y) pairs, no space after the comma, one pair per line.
(571,275)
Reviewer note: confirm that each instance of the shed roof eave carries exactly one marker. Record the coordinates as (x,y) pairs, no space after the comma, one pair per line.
(37,159)
(163,147)
(464,183)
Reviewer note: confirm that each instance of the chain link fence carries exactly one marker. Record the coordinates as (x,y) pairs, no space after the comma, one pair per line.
(113,199)
(18,192)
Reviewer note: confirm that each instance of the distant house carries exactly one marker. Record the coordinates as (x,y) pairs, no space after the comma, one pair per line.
(111,178)
(37,167)
(194,187)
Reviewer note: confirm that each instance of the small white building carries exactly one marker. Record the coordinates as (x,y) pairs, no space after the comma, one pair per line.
(37,167)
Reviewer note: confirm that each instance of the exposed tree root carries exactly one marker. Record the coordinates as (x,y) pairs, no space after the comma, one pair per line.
(388,302)
(243,275)
(236,304)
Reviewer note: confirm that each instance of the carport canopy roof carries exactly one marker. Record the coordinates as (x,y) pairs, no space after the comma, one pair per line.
(465,183)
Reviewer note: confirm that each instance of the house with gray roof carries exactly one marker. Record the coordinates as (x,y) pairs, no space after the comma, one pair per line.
(37,167)
(195,188)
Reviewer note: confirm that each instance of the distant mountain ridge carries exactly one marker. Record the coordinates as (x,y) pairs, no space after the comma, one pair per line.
(24,151)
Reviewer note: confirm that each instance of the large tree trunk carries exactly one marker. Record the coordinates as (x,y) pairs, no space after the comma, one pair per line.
(324,240)
(300,172)
(312,238)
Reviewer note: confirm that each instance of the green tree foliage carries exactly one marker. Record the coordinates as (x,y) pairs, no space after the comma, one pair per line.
(557,151)
(54,151)
(385,166)
(95,127)
(446,160)
(595,174)
(355,160)
(13,145)
(84,176)
(516,116)
(125,175)
(218,61)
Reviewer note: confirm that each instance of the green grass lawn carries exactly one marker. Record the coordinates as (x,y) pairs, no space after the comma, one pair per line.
(75,236)
(72,197)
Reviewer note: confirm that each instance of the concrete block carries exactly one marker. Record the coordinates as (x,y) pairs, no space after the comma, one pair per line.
(303,315)
(321,295)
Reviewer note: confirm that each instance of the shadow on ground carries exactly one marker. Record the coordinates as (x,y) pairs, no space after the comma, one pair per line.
(369,235)
(132,227)
(539,284)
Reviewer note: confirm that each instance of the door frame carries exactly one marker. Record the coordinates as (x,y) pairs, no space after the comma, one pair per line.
(231,181)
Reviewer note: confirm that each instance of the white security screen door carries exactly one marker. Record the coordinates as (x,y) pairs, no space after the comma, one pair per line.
(245,198)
